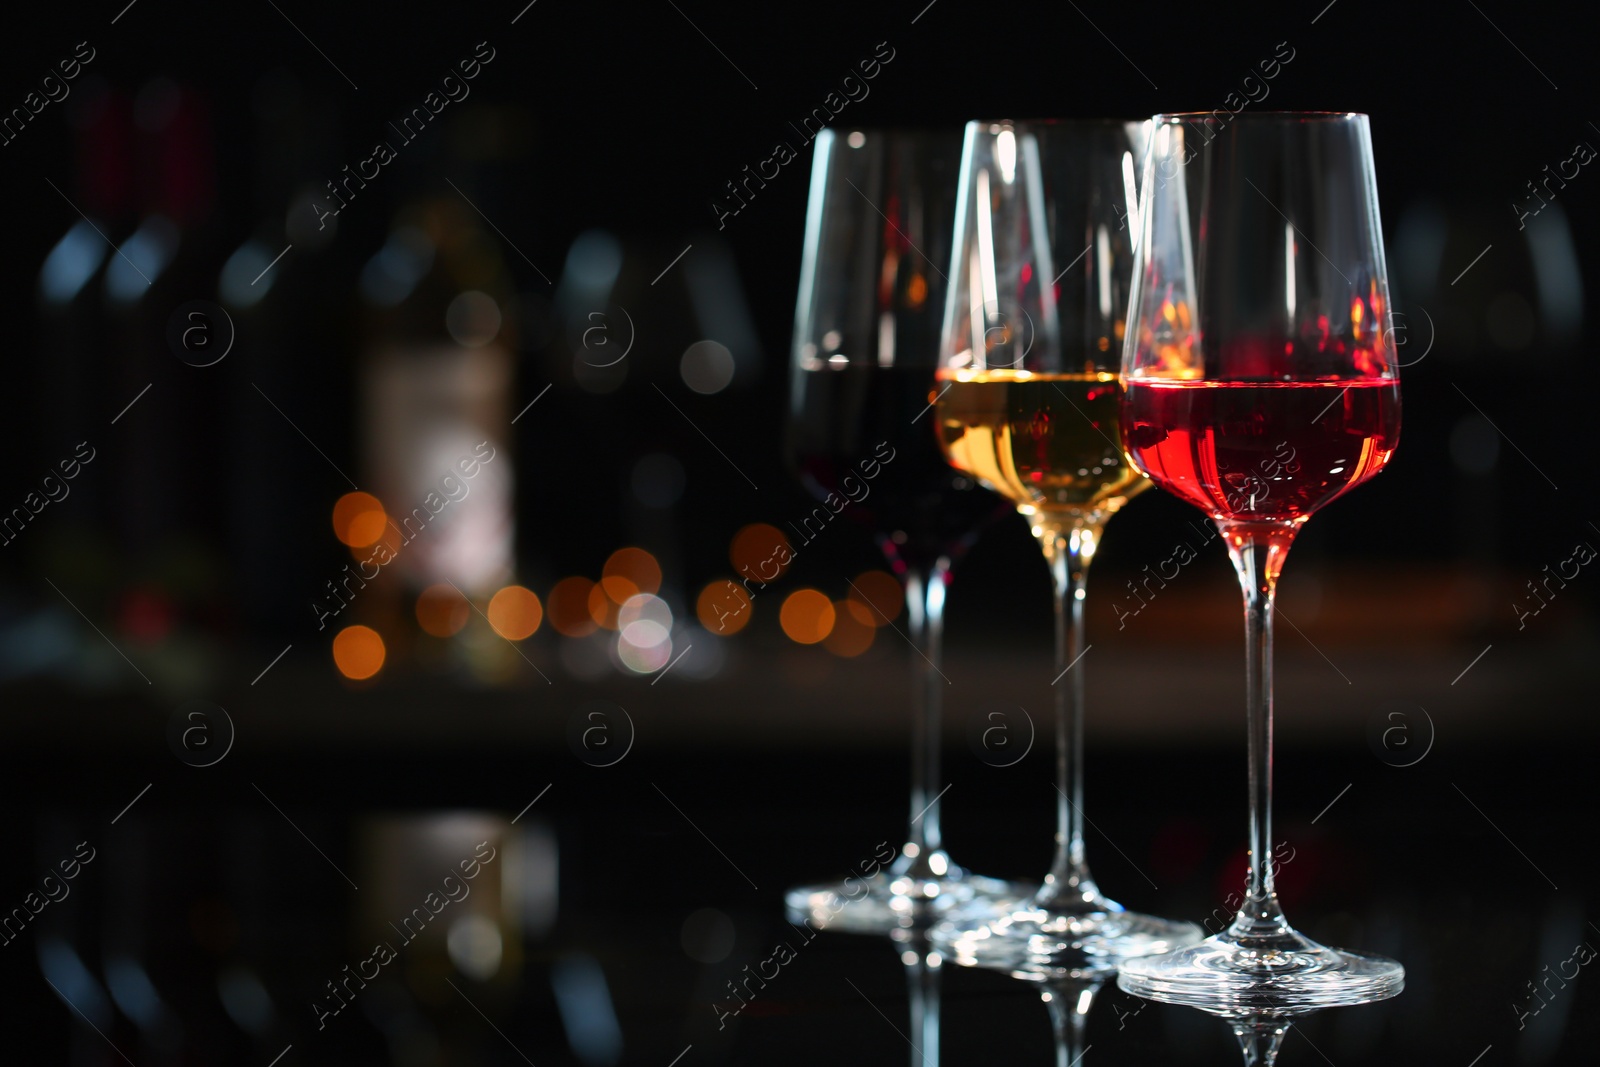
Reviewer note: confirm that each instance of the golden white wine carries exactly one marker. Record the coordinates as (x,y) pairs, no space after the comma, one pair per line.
(1048,442)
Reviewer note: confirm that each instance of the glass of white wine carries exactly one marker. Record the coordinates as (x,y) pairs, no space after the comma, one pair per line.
(1028,403)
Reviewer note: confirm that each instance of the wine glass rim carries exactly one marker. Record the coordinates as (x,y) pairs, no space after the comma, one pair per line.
(1170,117)
(1095,121)
(893,130)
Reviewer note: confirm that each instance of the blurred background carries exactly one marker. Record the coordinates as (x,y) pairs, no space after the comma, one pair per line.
(253,356)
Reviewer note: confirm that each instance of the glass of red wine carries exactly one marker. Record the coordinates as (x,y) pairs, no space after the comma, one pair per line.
(862,436)
(1260,384)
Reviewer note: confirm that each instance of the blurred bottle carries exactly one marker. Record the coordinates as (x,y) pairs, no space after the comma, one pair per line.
(162,454)
(72,342)
(287,284)
(437,378)
(72,405)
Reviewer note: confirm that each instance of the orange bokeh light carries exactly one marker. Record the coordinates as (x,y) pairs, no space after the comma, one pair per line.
(568,607)
(442,610)
(617,588)
(374,553)
(629,572)
(723,608)
(760,552)
(602,608)
(515,612)
(851,635)
(876,598)
(358,652)
(359,519)
(807,616)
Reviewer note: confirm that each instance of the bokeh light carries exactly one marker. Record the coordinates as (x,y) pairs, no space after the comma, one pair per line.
(389,539)
(603,609)
(851,635)
(568,607)
(629,572)
(473,319)
(708,657)
(807,616)
(358,652)
(707,367)
(876,598)
(515,612)
(359,519)
(441,610)
(645,643)
(723,607)
(760,551)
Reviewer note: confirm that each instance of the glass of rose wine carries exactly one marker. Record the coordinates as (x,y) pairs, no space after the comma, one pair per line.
(1028,401)
(1259,385)
(861,437)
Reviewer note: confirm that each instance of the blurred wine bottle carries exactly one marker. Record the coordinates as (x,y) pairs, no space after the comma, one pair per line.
(71,335)
(436,379)
(287,286)
(71,384)
(162,456)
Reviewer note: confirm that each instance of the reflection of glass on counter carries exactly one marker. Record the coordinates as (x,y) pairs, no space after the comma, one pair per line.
(453,891)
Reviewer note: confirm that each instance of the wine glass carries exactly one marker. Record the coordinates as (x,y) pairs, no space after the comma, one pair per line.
(861,436)
(1260,384)
(1028,403)
(1069,1001)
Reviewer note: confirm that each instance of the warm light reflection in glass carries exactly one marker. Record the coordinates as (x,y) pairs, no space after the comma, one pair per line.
(568,607)
(359,519)
(515,613)
(441,610)
(807,616)
(358,652)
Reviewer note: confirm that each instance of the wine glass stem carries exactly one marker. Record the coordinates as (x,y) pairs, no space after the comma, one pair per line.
(1258,552)
(1069,1018)
(1069,544)
(925,590)
(1260,1040)
(923,986)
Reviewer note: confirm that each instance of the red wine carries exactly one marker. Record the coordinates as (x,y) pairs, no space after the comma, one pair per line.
(868,438)
(1268,451)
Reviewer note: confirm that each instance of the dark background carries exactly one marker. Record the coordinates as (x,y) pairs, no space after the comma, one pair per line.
(196,541)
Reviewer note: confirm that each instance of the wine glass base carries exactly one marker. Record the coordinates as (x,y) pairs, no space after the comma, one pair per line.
(1039,944)
(1280,976)
(888,902)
